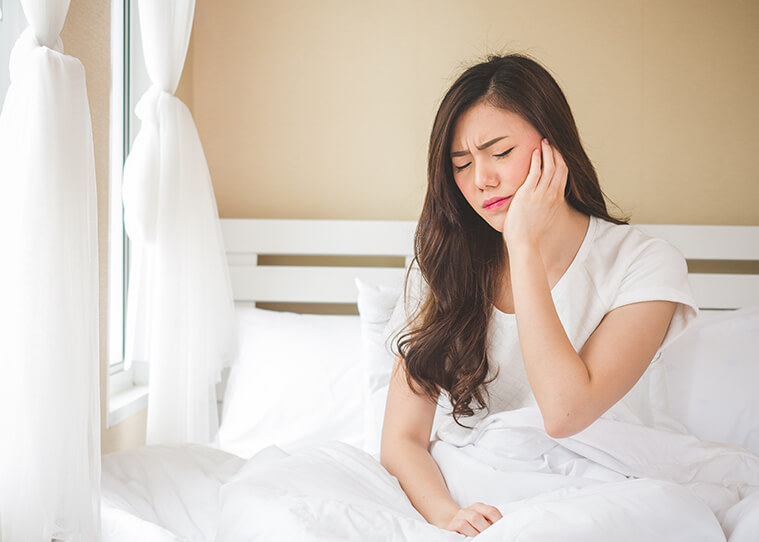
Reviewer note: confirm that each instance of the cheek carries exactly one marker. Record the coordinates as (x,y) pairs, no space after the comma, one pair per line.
(518,169)
(465,188)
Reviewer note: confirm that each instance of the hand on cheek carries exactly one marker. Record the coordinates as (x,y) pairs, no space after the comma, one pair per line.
(537,201)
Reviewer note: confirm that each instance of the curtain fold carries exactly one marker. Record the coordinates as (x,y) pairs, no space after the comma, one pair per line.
(180,314)
(49,325)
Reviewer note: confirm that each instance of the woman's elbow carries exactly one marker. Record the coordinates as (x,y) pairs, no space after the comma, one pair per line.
(385,458)
(564,425)
(558,430)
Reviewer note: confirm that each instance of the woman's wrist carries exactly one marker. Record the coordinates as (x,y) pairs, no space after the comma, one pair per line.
(522,251)
(444,514)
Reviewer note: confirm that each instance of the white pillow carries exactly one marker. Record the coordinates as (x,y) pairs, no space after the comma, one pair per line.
(298,380)
(711,377)
(375,307)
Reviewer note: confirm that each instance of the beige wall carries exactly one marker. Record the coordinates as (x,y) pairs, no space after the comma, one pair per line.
(323,109)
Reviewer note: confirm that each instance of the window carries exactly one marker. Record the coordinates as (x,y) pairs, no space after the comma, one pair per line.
(12,23)
(126,387)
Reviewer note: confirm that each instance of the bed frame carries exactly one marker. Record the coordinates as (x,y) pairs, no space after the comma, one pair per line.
(736,247)
(308,275)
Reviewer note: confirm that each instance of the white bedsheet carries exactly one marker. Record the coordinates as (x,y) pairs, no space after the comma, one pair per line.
(164,493)
(613,481)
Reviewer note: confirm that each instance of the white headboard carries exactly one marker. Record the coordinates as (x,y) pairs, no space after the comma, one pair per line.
(717,244)
(246,239)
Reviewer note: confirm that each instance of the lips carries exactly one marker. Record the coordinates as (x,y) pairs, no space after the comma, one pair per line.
(494,203)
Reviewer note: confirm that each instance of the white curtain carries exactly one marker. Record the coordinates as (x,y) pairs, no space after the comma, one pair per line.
(180,315)
(49,369)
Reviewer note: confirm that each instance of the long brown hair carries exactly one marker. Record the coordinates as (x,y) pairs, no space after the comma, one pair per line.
(460,256)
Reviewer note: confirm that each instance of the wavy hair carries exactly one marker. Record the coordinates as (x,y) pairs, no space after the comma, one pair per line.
(460,256)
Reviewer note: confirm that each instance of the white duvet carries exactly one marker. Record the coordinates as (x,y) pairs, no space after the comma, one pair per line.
(613,481)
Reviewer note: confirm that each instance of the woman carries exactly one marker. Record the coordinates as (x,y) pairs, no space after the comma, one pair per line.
(533,295)
(533,316)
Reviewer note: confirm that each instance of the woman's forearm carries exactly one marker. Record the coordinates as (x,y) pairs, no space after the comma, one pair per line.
(558,376)
(420,479)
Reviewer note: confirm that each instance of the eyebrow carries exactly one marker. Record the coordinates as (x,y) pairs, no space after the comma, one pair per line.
(485,145)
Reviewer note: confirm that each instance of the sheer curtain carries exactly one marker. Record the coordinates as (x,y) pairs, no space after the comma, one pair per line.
(180,315)
(49,396)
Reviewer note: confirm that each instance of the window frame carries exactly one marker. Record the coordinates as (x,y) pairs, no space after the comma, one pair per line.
(127,387)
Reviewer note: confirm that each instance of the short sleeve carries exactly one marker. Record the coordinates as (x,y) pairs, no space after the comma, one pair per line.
(657,271)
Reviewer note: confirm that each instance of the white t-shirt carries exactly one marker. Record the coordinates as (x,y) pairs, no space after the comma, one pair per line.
(615,265)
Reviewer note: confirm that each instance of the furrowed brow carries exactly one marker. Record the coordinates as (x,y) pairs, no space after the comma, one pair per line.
(491,142)
(484,146)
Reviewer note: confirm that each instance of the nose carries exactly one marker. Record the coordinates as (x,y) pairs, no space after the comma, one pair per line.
(485,176)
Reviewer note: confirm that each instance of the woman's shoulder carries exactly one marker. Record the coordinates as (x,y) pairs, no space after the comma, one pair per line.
(624,258)
(629,265)
(619,245)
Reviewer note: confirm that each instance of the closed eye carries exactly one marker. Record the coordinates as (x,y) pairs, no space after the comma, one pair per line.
(504,153)
(461,168)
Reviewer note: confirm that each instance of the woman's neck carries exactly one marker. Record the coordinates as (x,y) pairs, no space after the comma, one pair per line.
(562,242)
(558,250)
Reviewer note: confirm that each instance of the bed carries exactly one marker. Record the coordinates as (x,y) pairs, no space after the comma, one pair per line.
(309,386)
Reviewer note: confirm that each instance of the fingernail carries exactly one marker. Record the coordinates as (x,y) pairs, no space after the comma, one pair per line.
(545,140)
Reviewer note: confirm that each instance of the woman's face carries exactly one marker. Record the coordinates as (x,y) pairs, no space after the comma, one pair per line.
(490,153)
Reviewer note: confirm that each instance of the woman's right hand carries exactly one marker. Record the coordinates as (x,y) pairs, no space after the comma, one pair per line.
(474,519)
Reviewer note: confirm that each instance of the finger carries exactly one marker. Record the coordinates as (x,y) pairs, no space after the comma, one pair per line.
(559,178)
(491,513)
(549,165)
(477,520)
(534,173)
(562,173)
(462,526)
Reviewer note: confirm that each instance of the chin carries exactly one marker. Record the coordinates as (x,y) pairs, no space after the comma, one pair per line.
(497,224)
